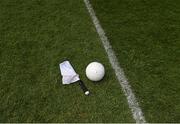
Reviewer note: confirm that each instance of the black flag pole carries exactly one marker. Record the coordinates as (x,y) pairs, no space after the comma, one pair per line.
(83,87)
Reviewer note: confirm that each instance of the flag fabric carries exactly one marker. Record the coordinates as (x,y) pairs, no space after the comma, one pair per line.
(68,73)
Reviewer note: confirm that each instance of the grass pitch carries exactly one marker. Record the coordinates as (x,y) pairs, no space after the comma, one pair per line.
(146,40)
(35,36)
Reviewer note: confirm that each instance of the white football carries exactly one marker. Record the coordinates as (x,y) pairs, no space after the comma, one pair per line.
(95,71)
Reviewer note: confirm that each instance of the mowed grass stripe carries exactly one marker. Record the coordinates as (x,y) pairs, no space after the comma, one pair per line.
(35,36)
(133,104)
(145,37)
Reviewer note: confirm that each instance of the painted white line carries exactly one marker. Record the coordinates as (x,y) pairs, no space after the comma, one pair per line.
(132,102)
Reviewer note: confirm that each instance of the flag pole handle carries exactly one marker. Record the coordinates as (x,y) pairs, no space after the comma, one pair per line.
(83,87)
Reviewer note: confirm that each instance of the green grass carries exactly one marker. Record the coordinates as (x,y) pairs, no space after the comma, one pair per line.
(35,36)
(145,35)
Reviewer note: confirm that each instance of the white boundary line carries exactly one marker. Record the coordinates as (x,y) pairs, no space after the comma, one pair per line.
(132,102)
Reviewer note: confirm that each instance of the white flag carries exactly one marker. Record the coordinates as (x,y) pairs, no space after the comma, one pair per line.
(68,73)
